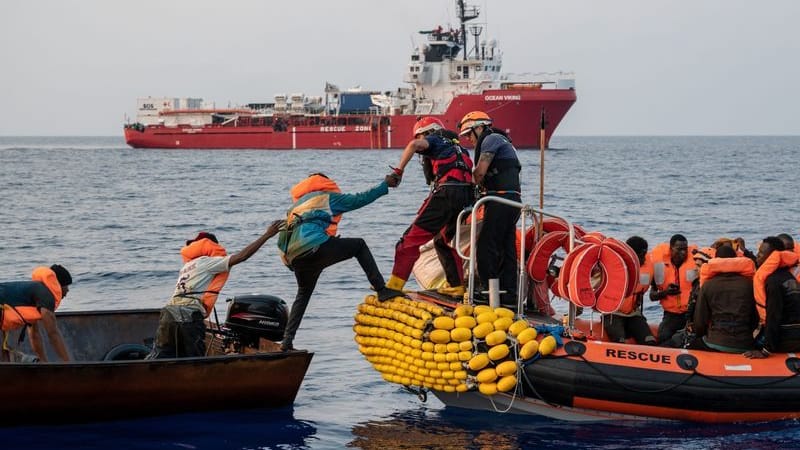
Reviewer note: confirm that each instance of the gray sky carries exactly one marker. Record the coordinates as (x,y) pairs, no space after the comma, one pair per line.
(643,67)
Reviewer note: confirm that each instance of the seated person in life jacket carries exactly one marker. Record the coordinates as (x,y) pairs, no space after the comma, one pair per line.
(685,337)
(674,270)
(628,321)
(309,243)
(725,314)
(181,329)
(789,243)
(777,283)
(737,244)
(32,304)
(450,172)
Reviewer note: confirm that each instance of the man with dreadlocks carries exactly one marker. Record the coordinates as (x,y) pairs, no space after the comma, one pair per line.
(181,328)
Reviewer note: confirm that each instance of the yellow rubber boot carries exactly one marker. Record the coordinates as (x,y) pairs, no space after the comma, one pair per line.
(457,291)
(396,283)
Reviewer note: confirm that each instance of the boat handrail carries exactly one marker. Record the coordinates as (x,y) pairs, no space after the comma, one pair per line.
(526,210)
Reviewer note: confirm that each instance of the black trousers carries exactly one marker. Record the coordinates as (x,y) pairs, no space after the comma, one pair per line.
(308,268)
(670,324)
(497,252)
(620,328)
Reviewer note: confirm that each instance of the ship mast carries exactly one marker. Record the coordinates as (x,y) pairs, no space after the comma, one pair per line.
(465,14)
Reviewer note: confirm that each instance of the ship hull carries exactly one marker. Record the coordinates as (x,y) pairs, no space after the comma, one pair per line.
(518,112)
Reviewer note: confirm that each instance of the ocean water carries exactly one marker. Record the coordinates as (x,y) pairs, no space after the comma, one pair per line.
(117,217)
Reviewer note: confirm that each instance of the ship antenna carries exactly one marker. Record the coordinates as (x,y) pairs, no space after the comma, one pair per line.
(465,14)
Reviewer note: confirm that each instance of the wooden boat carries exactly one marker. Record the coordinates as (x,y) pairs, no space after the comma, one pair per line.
(108,379)
(496,359)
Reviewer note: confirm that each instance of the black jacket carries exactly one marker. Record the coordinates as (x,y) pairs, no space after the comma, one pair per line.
(726,311)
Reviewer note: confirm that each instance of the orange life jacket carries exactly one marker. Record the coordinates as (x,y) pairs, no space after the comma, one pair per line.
(682,276)
(46,276)
(316,183)
(207,247)
(645,278)
(14,317)
(775,261)
(715,266)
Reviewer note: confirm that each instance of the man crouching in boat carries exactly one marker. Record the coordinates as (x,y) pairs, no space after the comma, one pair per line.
(32,304)
(181,328)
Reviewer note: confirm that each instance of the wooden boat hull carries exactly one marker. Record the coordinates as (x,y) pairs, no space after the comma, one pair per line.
(91,388)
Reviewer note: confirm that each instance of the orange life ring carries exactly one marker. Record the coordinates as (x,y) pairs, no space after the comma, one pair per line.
(540,257)
(566,268)
(608,297)
(631,262)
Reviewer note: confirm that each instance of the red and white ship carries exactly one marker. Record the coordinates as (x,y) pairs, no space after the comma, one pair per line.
(446,78)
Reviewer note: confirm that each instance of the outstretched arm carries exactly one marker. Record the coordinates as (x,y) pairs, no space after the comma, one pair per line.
(415,146)
(253,247)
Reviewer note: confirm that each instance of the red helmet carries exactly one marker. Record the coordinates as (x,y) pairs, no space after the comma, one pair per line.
(427,124)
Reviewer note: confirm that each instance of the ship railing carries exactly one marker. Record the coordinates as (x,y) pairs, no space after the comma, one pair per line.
(526,212)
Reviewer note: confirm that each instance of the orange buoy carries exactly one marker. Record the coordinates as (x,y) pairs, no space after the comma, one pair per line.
(631,261)
(562,282)
(609,296)
(540,258)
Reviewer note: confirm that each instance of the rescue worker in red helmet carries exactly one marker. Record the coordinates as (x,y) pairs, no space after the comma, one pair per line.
(496,173)
(450,177)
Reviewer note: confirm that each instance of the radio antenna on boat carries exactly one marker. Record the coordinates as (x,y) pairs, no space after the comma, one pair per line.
(542,141)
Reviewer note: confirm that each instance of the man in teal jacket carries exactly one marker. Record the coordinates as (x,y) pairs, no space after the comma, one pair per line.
(309,243)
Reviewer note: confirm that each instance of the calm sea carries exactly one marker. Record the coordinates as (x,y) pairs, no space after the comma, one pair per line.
(116,217)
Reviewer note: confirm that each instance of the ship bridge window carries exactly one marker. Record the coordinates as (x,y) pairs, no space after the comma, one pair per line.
(415,57)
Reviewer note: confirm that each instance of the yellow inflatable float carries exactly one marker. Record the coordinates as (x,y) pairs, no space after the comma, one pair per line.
(423,345)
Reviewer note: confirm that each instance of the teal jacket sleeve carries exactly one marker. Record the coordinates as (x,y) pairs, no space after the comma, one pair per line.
(342,203)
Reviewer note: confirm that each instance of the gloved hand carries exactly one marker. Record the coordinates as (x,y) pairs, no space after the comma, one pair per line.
(396,175)
(392,180)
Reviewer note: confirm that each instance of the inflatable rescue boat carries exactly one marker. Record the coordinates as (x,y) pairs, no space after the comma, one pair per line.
(493,358)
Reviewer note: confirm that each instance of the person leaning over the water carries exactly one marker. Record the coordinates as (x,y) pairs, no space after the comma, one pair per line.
(309,243)
(32,304)
(629,322)
(781,331)
(725,314)
(496,171)
(206,265)
(673,273)
(450,172)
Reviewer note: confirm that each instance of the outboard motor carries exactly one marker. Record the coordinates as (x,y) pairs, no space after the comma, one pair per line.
(254,316)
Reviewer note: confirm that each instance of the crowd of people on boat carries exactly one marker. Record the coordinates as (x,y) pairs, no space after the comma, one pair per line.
(717,298)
